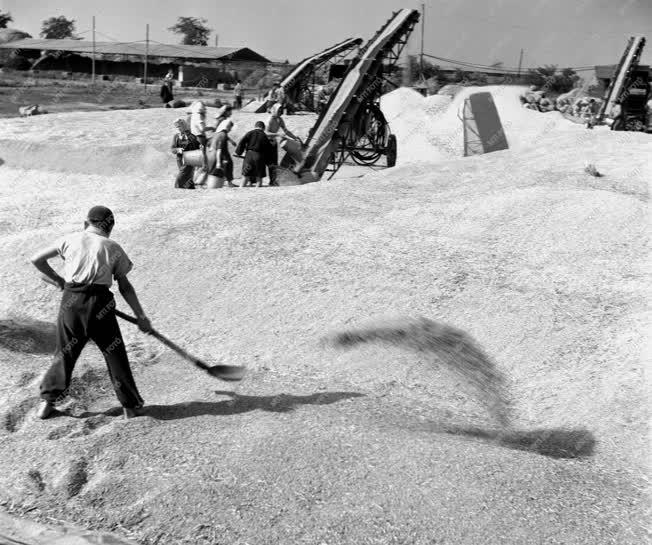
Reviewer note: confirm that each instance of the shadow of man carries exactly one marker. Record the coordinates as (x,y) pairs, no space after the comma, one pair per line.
(238,404)
(28,336)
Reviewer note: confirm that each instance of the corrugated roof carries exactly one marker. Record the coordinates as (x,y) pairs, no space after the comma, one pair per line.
(138,49)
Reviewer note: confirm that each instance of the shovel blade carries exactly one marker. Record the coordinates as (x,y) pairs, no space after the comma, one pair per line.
(227,372)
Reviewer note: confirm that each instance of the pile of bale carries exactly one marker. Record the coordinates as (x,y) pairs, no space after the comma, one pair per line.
(574,103)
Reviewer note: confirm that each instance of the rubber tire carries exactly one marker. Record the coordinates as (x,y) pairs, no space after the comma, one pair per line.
(618,124)
(392,150)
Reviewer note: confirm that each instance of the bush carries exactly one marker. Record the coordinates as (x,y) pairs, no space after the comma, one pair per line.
(594,91)
(478,78)
(254,77)
(458,75)
(550,80)
(266,82)
(18,62)
(429,70)
(243,74)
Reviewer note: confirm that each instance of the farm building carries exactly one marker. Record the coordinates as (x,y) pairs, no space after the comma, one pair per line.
(604,74)
(191,64)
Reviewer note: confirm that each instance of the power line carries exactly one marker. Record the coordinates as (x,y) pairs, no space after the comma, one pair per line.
(116,40)
(500,69)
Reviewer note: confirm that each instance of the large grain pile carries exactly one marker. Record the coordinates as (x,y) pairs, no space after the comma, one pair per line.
(430,128)
(542,265)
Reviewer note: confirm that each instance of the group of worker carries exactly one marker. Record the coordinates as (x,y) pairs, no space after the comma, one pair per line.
(320,98)
(258,147)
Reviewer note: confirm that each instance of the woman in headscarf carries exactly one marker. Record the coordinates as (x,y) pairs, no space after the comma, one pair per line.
(182,141)
(223,114)
(223,161)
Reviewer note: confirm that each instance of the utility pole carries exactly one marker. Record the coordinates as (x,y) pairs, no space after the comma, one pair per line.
(146,54)
(216,39)
(423,29)
(520,62)
(93,78)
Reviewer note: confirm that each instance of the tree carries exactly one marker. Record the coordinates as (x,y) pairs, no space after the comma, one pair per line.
(193,29)
(542,76)
(4,19)
(549,79)
(567,79)
(58,27)
(429,70)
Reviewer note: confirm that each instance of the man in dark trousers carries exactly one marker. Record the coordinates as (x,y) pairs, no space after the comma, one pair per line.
(237,95)
(275,124)
(166,93)
(91,262)
(258,152)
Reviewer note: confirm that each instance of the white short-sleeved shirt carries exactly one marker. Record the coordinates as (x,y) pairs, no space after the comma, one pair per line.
(91,258)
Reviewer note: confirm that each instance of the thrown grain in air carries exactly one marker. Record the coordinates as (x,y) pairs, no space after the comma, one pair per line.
(450,346)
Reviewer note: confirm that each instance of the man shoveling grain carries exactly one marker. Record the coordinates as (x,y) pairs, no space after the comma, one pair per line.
(87,311)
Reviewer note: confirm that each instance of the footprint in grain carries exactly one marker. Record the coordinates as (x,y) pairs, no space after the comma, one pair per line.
(13,420)
(142,354)
(81,428)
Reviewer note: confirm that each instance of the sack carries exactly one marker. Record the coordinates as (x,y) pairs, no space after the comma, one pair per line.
(214,182)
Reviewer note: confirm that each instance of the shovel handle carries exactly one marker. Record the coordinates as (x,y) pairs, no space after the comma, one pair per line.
(125,317)
(167,342)
(225,372)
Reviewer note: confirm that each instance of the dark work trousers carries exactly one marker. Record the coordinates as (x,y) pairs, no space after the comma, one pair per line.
(273,162)
(88,312)
(184,179)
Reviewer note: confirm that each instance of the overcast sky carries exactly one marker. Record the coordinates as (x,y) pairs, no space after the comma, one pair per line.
(562,32)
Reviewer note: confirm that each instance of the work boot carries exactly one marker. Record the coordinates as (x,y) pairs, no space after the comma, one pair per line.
(133,412)
(46,410)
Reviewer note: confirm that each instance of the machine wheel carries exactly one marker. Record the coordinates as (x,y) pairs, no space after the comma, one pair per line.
(392,150)
(618,124)
(367,140)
